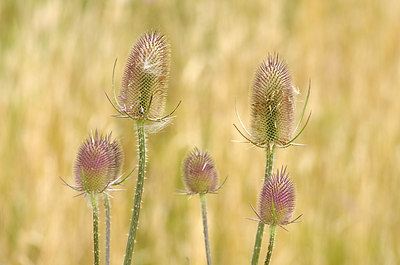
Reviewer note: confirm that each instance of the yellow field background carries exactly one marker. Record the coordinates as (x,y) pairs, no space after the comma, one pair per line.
(56,60)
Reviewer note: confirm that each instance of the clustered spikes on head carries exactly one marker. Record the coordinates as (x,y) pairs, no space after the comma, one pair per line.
(277,200)
(98,164)
(272,103)
(199,172)
(144,85)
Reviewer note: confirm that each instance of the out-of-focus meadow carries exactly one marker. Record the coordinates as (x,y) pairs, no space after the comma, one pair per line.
(56,60)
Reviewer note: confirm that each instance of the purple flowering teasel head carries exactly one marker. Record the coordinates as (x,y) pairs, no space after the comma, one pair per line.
(98,163)
(199,172)
(145,79)
(277,199)
(272,103)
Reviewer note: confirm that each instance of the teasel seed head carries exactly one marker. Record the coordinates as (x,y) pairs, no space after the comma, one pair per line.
(98,163)
(199,172)
(145,79)
(272,103)
(277,199)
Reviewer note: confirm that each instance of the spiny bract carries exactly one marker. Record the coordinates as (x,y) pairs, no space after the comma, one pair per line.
(98,163)
(199,172)
(272,103)
(277,199)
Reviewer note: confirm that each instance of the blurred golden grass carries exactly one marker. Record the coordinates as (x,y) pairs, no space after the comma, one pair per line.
(56,61)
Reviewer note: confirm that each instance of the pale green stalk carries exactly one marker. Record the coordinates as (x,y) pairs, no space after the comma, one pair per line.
(270,151)
(272,234)
(203,202)
(95,207)
(138,194)
(107,207)
(269,161)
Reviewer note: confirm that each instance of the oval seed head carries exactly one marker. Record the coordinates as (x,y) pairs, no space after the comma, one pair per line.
(144,84)
(277,199)
(199,172)
(272,103)
(98,163)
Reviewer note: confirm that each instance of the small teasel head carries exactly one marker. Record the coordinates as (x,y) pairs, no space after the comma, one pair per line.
(199,172)
(98,163)
(272,103)
(277,199)
(144,84)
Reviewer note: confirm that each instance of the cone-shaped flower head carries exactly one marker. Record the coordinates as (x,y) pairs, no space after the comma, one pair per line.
(199,172)
(98,163)
(144,84)
(272,103)
(277,199)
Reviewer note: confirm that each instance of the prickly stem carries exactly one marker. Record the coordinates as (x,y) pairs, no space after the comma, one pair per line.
(272,234)
(138,194)
(270,152)
(203,202)
(107,207)
(96,250)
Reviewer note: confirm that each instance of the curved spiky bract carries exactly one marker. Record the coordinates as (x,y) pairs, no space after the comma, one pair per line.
(199,172)
(98,163)
(277,199)
(272,103)
(144,84)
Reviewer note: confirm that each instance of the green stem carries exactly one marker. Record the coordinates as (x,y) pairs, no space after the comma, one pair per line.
(107,207)
(138,194)
(270,151)
(257,244)
(272,234)
(203,202)
(270,154)
(95,228)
